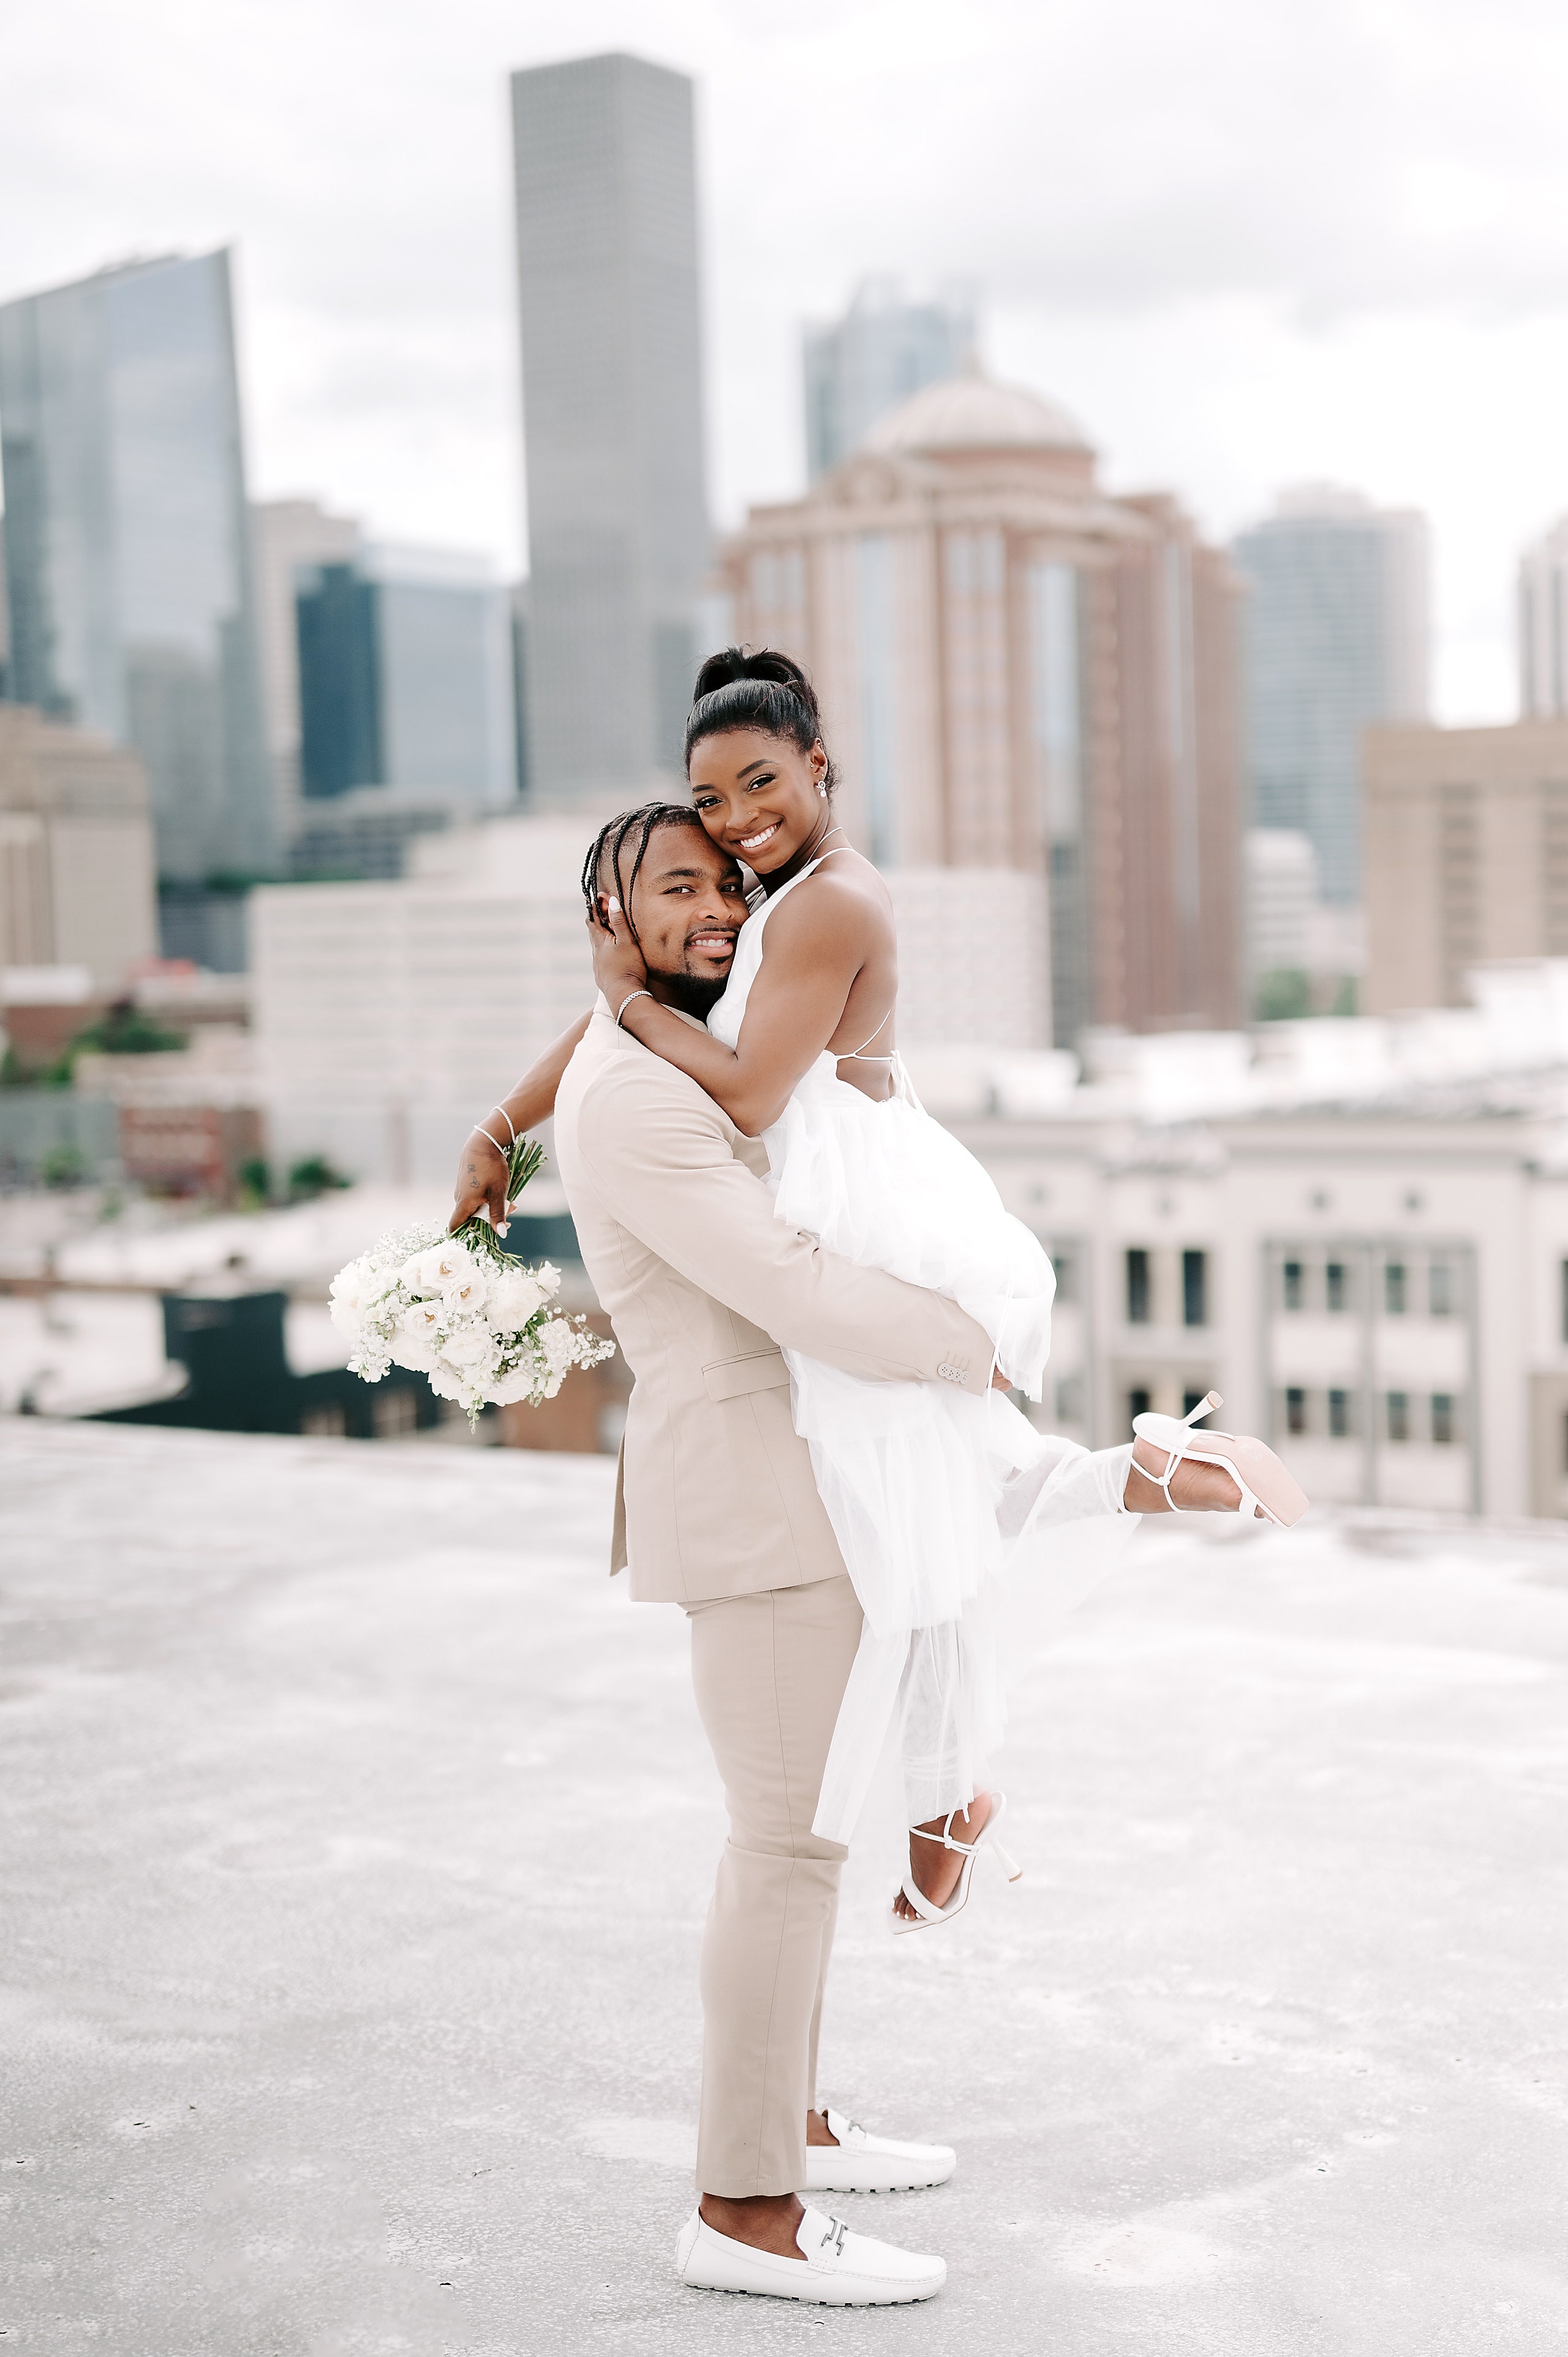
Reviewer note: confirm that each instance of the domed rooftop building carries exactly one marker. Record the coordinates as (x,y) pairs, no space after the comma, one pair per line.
(974,413)
(1031,688)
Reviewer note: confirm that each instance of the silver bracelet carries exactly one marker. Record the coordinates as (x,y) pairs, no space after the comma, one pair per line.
(625,1002)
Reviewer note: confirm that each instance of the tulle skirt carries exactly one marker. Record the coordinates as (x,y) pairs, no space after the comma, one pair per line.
(911,1474)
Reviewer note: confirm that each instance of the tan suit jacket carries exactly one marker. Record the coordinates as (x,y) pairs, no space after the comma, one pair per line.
(715,1495)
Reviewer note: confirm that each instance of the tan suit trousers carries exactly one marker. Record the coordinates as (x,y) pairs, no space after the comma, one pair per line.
(770,1671)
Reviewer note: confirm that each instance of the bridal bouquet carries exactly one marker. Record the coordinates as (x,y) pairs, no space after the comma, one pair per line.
(460,1311)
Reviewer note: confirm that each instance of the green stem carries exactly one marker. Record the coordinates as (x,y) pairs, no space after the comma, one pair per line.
(522,1164)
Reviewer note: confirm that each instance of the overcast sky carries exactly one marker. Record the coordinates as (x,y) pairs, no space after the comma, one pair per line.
(1245,242)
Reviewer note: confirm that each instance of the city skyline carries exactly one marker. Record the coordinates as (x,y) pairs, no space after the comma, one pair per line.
(1357,325)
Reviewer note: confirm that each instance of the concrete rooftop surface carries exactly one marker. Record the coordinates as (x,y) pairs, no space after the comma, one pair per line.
(357,1835)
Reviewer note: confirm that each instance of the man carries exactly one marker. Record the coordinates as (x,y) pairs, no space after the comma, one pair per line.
(717,1510)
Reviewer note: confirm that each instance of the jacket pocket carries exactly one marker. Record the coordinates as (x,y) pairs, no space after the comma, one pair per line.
(759,1371)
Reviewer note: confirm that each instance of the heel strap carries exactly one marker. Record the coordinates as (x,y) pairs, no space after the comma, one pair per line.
(944,1840)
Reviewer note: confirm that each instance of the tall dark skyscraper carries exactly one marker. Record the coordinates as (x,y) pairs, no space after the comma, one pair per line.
(608,281)
(126,544)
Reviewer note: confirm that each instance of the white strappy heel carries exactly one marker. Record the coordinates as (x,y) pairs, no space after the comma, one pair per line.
(925,1913)
(1268,1492)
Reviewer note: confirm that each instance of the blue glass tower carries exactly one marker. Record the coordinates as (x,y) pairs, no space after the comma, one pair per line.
(126,544)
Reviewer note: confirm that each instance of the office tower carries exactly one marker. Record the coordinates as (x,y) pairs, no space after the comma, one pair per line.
(405,671)
(881,351)
(287,536)
(127,549)
(606,253)
(1337,635)
(77,886)
(1543,625)
(1467,856)
(1023,675)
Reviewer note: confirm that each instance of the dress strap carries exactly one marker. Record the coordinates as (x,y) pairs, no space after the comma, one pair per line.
(850,1054)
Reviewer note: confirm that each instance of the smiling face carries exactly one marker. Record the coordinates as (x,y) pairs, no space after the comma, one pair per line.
(757,796)
(688,905)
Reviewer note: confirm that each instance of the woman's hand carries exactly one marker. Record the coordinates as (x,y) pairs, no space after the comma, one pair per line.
(618,967)
(481,1183)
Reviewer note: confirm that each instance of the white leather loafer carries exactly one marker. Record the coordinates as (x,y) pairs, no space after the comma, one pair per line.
(863,2163)
(835,2268)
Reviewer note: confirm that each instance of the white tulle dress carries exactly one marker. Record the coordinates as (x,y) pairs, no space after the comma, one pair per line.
(913,1475)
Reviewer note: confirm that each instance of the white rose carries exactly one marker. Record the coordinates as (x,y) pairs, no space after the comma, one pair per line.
(353,1291)
(549,1277)
(513,1300)
(433,1270)
(468,1293)
(414,1341)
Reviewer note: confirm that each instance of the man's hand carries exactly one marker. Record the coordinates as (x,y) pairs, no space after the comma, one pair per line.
(618,969)
(481,1183)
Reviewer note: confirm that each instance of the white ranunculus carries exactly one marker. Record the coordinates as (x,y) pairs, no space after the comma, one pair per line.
(518,1385)
(433,1270)
(472,1348)
(449,1383)
(514,1298)
(354,1291)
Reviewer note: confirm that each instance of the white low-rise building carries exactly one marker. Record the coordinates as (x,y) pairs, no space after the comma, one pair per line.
(1359,1239)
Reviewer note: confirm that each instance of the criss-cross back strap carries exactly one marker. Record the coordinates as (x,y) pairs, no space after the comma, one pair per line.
(851,1055)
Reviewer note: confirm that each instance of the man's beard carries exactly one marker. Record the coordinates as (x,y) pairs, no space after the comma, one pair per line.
(693,993)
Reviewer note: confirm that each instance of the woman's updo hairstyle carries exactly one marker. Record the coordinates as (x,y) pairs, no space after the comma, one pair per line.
(756,688)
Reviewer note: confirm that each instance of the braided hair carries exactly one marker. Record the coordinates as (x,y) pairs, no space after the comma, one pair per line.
(638,828)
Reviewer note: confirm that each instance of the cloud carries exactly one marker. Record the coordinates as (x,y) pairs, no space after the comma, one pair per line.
(1230,233)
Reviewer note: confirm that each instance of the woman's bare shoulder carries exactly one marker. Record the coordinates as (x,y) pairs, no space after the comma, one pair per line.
(846,901)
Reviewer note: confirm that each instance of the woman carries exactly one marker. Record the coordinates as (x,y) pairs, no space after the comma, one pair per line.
(801,1051)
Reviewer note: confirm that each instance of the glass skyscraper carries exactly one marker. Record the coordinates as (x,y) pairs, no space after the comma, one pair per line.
(607,280)
(126,544)
(405,678)
(1336,635)
(881,351)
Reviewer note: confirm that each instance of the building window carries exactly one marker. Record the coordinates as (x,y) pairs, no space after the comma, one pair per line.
(1440,1289)
(1295,1290)
(1137,1405)
(1338,1415)
(328,1422)
(1334,1287)
(1069,1400)
(1195,1289)
(1137,1287)
(1397,1411)
(1066,1266)
(1295,1410)
(396,1412)
(1393,1289)
(1443,1418)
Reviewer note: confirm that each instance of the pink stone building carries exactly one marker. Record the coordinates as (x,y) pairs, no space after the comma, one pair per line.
(1026,678)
